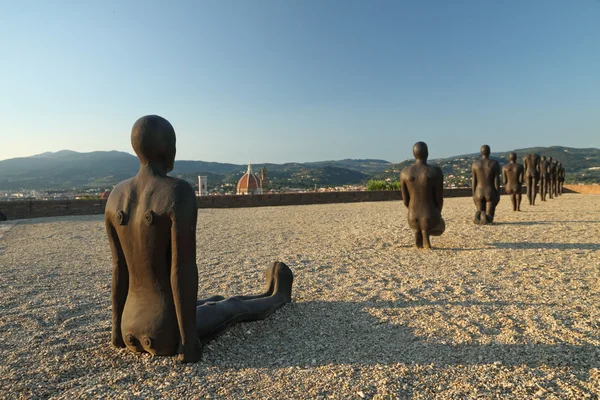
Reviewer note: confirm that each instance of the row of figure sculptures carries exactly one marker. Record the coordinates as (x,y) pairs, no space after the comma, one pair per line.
(422,188)
(151,219)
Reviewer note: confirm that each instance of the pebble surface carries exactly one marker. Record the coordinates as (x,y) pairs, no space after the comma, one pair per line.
(504,310)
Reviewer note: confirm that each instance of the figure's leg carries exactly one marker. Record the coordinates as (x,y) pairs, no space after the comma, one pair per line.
(418,239)
(214,317)
(519,197)
(535,184)
(513,200)
(542,191)
(438,229)
(529,190)
(480,214)
(426,242)
(550,189)
(490,209)
(209,300)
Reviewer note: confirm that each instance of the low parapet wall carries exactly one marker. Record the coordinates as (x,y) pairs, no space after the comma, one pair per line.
(52,208)
(583,189)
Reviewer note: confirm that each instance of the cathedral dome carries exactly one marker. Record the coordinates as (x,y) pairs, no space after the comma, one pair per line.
(249,183)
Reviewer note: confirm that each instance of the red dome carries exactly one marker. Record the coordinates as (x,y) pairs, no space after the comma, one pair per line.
(249,183)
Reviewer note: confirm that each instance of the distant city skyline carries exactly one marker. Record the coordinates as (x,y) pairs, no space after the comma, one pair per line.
(278,81)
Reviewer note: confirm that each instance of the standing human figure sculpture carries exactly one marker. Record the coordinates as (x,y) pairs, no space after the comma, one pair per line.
(486,186)
(422,188)
(531,163)
(544,177)
(551,177)
(560,178)
(151,225)
(513,180)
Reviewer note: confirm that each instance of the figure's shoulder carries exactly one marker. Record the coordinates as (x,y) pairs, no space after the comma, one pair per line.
(181,196)
(406,171)
(121,192)
(181,188)
(435,170)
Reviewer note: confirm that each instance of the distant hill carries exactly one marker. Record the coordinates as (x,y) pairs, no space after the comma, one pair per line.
(102,169)
(69,169)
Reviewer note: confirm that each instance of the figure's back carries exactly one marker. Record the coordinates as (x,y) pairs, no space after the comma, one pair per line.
(544,168)
(530,162)
(514,172)
(486,170)
(422,181)
(141,212)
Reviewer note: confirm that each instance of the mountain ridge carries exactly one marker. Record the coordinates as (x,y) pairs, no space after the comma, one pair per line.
(71,169)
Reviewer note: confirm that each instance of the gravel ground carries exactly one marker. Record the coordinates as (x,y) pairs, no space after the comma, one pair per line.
(511,309)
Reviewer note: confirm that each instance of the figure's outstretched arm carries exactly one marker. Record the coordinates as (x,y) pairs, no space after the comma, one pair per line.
(120,281)
(184,273)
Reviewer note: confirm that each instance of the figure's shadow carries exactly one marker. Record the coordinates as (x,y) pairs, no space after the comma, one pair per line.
(324,333)
(537,245)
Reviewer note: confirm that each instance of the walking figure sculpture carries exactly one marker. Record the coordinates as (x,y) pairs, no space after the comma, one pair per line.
(552,178)
(486,186)
(560,178)
(151,225)
(531,163)
(544,177)
(422,193)
(513,181)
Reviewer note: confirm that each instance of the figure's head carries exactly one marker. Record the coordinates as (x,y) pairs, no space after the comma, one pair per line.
(420,151)
(512,156)
(153,140)
(550,159)
(543,158)
(485,150)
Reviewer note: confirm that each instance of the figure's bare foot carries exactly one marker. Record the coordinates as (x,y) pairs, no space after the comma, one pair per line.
(283,278)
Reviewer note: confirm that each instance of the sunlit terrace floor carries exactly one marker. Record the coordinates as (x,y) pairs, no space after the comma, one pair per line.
(508,309)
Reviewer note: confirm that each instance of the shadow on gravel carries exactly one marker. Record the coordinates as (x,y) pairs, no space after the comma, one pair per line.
(323,333)
(558,246)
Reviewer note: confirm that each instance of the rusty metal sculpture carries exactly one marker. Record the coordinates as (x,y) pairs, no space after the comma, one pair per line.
(422,194)
(513,180)
(486,186)
(151,225)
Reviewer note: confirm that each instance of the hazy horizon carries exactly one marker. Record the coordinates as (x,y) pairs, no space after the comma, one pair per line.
(177,158)
(302,81)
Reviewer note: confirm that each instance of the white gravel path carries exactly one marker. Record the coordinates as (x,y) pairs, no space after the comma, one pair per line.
(511,309)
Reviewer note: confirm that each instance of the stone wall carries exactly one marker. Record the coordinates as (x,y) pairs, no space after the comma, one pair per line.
(583,189)
(51,208)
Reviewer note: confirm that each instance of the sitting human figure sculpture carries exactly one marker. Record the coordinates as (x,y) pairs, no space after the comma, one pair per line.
(486,186)
(151,225)
(513,180)
(531,163)
(544,177)
(422,194)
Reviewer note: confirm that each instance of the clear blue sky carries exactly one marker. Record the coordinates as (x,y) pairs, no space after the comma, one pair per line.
(303,80)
